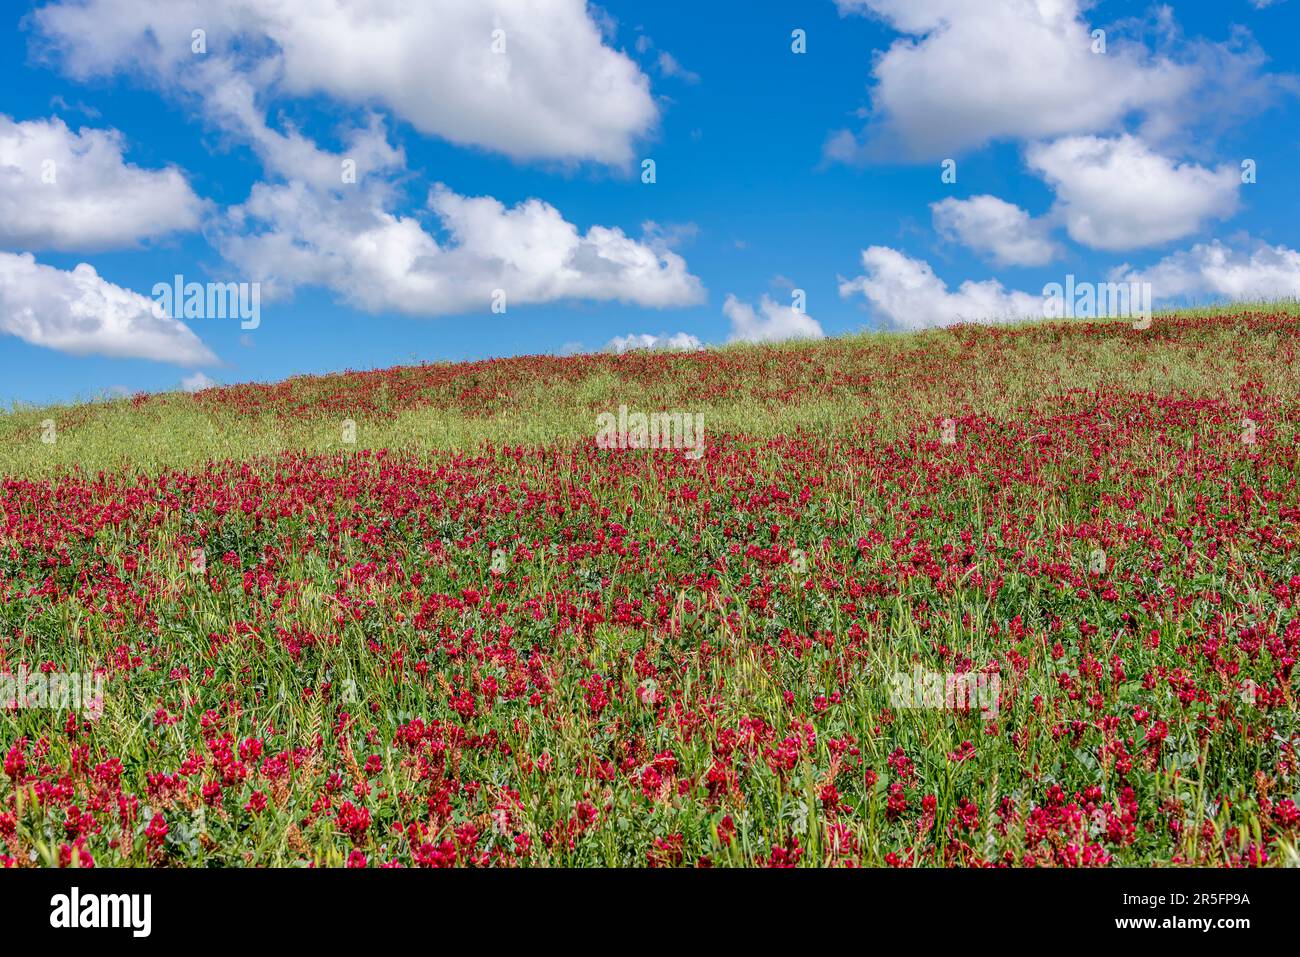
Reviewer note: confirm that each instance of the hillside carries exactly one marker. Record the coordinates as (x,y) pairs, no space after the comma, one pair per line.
(889,384)
(1017,595)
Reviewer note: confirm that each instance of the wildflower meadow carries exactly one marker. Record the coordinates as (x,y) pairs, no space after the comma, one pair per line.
(1016,596)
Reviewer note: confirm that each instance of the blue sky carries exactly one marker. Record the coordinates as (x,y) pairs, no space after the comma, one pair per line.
(775,170)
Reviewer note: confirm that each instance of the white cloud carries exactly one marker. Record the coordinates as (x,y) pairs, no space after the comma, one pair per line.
(307,226)
(1217,271)
(969,73)
(669,235)
(772,323)
(682,341)
(995,228)
(669,66)
(1119,194)
(67,190)
(79,312)
(908,294)
(557,92)
(197,382)
(293,234)
(230,99)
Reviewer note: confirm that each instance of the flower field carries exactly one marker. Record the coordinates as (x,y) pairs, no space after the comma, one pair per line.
(469,636)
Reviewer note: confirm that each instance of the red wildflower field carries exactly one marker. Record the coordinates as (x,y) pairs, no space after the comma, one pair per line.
(1031,608)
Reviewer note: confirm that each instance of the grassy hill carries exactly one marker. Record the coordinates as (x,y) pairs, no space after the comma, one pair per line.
(890,382)
(1019,595)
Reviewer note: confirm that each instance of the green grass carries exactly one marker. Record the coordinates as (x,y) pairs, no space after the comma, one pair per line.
(175,430)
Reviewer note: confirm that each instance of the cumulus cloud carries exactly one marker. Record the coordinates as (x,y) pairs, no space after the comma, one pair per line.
(680,341)
(772,322)
(79,312)
(197,382)
(908,294)
(549,95)
(72,190)
(545,87)
(292,234)
(995,228)
(231,101)
(968,73)
(1215,270)
(1118,193)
